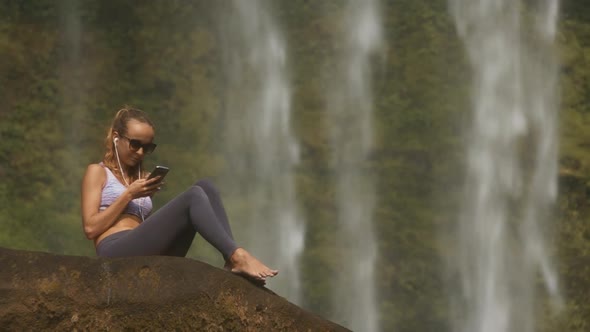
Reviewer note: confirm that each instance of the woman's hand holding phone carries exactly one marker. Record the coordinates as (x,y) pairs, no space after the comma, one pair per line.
(144,187)
(150,185)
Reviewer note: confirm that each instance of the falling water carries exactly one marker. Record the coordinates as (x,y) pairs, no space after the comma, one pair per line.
(512,162)
(350,118)
(260,149)
(70,70)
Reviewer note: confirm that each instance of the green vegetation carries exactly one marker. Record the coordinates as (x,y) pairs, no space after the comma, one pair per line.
(67,66)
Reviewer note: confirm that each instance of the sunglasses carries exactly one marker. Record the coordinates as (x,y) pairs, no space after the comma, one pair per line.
(135,145)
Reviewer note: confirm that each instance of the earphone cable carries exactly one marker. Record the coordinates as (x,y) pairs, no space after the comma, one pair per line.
(127,183)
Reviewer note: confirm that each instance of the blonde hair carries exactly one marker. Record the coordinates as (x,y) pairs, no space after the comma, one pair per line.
(119,125)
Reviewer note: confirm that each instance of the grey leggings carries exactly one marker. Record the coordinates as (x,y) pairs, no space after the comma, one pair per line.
(171,229)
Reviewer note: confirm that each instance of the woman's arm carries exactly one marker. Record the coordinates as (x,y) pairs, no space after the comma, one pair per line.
(97,222)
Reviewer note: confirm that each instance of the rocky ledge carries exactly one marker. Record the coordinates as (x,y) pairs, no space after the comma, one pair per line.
(41,291)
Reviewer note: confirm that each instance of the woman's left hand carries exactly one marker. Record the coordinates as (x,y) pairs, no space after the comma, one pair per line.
(144,187)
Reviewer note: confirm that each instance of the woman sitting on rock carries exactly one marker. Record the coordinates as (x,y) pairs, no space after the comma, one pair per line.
(116,205)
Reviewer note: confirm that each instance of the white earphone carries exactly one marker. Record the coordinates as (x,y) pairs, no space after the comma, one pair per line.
(115,140)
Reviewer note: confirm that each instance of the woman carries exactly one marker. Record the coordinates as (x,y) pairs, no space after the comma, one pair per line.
(116,203)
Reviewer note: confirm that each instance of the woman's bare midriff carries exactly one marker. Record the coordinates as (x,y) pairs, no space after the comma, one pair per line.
(123,223)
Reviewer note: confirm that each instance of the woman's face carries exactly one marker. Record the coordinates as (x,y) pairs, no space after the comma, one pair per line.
(136,144)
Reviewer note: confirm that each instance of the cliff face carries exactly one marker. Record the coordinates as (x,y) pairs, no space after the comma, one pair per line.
(41,291)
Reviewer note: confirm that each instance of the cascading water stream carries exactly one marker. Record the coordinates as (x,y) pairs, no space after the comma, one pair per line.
(350,122)
(260,149)
(512,163)
(73,93)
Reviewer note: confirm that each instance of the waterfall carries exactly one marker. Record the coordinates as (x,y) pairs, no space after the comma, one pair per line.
(260,149)
(70,71)
(511,174)
(350,105)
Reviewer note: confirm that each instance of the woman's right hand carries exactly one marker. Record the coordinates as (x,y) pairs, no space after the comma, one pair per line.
(144,187)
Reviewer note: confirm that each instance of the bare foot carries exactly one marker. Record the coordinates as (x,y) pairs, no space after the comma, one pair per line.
(228,267)
(242,262)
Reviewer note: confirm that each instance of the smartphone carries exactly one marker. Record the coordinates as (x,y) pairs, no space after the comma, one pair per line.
(159,171)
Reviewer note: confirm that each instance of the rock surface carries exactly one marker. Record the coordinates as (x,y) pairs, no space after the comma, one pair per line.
(41,291)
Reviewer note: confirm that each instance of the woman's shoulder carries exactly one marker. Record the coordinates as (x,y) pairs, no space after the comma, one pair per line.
(95,167)
(96,170)
(95,177)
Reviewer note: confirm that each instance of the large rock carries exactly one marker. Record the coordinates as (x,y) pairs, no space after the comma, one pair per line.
(41,291)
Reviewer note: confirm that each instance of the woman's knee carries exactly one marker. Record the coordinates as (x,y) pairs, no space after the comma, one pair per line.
(208,186)
(197,193)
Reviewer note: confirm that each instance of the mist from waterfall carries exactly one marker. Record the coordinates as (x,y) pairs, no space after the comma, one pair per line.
(259,147)
(350,104)
(511,163)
